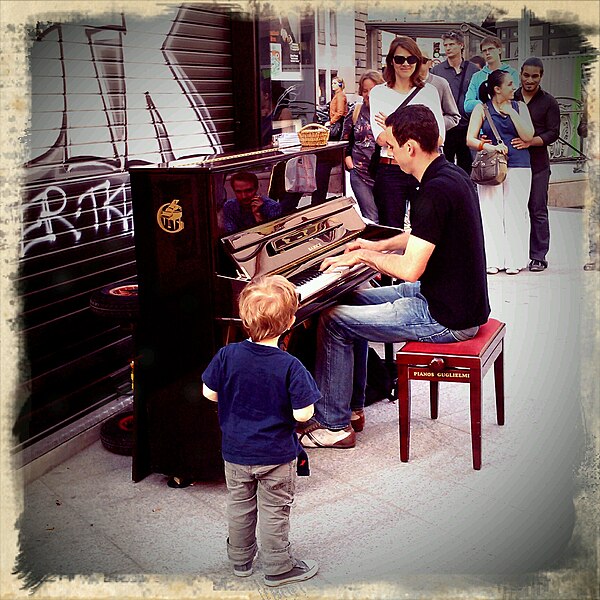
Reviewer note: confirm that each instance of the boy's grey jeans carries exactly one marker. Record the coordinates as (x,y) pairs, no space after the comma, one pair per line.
(266,492)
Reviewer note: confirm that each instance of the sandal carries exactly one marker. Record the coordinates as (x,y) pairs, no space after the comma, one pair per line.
(492,270)
(512,271)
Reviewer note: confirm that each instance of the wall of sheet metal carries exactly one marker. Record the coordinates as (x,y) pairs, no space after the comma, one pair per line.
(106,94)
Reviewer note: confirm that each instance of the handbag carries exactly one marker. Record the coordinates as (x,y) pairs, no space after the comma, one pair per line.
(335,130)
(490,166)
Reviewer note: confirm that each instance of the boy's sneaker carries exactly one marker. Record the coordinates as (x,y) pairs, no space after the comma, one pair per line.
(243,570)
(304,569)
(316,436)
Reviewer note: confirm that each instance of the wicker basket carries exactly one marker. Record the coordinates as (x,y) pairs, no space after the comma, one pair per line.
(313,134)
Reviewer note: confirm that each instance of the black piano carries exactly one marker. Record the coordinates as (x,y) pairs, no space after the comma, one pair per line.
(191,269)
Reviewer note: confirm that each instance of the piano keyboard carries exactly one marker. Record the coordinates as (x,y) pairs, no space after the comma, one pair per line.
(312,281)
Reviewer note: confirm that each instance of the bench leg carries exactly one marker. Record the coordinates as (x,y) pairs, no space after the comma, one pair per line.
(475,393)
(499,385)
(433,398)
(404,411)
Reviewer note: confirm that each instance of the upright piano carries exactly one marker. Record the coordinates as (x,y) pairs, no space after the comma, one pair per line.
(191,271)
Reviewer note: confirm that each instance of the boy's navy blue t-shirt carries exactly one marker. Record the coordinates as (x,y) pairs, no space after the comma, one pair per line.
(258,386)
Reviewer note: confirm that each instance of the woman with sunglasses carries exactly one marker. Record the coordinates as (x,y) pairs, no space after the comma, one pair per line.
(394,188)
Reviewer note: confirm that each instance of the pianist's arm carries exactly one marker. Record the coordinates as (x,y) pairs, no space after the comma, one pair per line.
(379,256)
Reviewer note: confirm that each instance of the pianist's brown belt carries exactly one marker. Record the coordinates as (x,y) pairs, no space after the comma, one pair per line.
(386,160)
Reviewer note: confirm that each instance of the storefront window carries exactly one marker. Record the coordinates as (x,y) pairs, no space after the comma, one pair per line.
(287,72)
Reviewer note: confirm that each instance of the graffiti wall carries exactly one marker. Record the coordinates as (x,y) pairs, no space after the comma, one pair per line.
(106,94)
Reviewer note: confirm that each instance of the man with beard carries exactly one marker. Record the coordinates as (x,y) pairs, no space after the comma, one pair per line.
(545,116)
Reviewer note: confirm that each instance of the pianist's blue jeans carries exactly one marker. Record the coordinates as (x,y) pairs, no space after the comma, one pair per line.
(395,313)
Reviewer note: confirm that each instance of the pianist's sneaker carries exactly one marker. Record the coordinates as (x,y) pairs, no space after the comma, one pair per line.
(314,435)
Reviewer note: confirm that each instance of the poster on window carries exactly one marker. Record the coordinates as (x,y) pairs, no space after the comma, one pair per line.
(285,48)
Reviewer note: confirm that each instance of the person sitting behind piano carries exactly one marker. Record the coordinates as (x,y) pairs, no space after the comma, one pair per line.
(444,298)
(248,208)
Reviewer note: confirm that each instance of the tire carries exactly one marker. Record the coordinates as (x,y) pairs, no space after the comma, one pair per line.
(117,301)
(116,433)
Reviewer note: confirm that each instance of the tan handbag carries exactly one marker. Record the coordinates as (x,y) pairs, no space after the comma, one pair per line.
(490,166)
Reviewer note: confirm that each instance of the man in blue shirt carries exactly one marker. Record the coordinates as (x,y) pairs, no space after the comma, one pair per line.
(491,48)
(248,208)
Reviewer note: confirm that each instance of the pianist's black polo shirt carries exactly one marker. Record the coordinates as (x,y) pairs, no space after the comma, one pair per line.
(446,213)
(545,116)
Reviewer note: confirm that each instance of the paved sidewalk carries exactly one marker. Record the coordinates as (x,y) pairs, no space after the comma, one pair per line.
(379,528)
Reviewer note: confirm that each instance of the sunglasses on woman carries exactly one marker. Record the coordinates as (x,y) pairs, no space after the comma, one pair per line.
(400,60)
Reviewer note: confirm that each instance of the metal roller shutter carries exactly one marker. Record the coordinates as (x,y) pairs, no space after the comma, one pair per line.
(106,94)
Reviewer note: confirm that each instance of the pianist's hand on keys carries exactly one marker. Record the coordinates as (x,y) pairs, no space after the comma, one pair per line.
(348,259)
(311,281)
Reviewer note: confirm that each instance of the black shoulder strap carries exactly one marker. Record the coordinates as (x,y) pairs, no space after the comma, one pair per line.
(462,79)
(410,97)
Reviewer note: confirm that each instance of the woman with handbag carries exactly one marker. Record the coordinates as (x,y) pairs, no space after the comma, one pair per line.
(393,188)
(337,108)
(503,205)
(361,145)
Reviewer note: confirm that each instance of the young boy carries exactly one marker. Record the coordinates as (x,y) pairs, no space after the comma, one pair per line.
(262,391)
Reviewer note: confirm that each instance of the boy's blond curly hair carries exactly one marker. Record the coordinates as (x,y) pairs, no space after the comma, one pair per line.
(267,306)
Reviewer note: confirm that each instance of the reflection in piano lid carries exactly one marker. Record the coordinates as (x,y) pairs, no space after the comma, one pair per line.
(290,244)
(295,247)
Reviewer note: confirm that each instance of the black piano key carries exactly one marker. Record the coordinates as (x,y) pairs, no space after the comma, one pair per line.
(304,276)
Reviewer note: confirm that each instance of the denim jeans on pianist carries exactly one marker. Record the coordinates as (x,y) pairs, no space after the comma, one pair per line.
(387,314)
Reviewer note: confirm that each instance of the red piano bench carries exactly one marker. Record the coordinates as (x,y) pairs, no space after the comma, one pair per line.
(460,362)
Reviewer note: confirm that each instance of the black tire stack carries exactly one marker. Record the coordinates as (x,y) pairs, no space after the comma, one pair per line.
(120,303)
(116,433)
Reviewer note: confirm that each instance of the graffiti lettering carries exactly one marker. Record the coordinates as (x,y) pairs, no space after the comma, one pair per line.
(48,220)
(108,207)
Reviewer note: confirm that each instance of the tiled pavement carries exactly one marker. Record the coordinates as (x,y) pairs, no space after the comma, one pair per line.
(379,528)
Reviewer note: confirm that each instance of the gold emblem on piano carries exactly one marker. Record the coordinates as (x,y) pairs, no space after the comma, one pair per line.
(169,217)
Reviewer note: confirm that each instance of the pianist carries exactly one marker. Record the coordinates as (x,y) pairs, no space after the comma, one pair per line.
(248,208)
(444,298)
